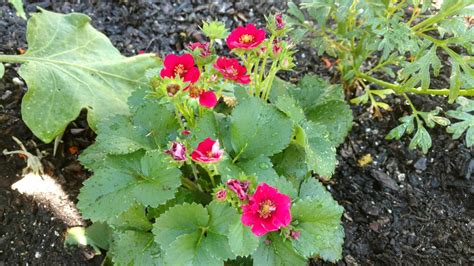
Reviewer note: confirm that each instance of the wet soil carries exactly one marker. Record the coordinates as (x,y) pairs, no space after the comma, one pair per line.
(402,208)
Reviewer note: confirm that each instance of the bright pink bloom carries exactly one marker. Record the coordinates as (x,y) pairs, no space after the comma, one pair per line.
(221,195)
(177,151)
(205,51)
(208,99)
(182,66)
(280,24)
(239,187)
(185,132)
(268,210)
(208,151)
(232,70)
(141,52)
(247,37)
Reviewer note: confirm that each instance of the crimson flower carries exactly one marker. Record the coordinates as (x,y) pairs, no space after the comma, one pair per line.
(247,37)
(205,51)
(240,188)
(182,66)
(206,98)
(177,151)
(268,210)
(232,70)
(208,151)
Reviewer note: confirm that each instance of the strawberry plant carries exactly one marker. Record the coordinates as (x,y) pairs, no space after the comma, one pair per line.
(200,160)
(394,47)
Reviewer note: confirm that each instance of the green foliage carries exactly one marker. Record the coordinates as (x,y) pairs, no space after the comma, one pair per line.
(135,248)
(372,39)
(466,123)
(70,66)
(20,11)
(214,30)
(275,251)
(2,70)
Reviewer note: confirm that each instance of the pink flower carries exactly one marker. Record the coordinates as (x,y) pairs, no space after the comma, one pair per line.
(182,66)
(221,195)
(280,24)
(268,210)
(203,46)
(232,70)
(240,188)
(185,132)
(141,52)
(247,37)
(208,151)
(177,151)
(208,99)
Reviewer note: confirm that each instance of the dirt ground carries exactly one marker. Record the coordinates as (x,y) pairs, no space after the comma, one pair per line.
(403,208)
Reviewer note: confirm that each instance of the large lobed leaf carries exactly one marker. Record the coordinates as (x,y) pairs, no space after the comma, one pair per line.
(147,179)
(71,66)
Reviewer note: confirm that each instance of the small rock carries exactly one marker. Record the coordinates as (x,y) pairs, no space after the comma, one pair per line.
(421,164)
(384,179)
(349,260)
(18,81)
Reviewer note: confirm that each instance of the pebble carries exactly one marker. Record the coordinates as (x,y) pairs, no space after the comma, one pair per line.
(421,164)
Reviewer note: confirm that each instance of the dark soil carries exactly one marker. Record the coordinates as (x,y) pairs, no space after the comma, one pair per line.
(403,208)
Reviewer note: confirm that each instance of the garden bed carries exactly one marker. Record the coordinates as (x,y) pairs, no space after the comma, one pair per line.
(404,207)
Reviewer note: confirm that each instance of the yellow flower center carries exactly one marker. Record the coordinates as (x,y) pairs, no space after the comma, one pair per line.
(267,207)
(179,70)
(246,38)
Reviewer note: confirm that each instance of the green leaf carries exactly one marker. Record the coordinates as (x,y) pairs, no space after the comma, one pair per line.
(336,116)
(179,220)
(214,30)
(320,151)
(407,126)
(419,70)
(146,179)
(312,188)
(20,11)
(276,252)
(466,123)
(454,81)
(318,221)
(70,66)
(421,139)
(259,129)
(135,248)
(262,168)
(295,12)
(98,235)
(290,107)
(241,239)
(206,127)
(313,90)
(190,234)
(2,70)
(291,163)
(132,219)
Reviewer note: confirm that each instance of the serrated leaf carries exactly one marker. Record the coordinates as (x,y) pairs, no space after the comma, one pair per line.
(135,248)
(318,220)
(262,168)
(132,219)
(291,163)
(241,239)
(320,151)
(146,179)
(295,12)
(290,107)
(466,123)
(206,127)
(407,126)
(190,234)
(454,81)
(276,252)
(179,220)
(214,30)
(336,116)
(70,66)
(311,188)
(313,90)
(259,129)
(419,70)
(421,139)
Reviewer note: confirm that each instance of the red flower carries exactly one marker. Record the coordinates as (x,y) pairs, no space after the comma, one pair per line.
(208,99)
(268,210)
(232,70)
(247,37)
(203,46)
(182,66)
(208,151)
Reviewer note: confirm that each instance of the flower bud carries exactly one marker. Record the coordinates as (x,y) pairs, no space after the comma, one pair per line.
(280,24)
(221,195)
(177,151)
(239,187)
(172,89)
